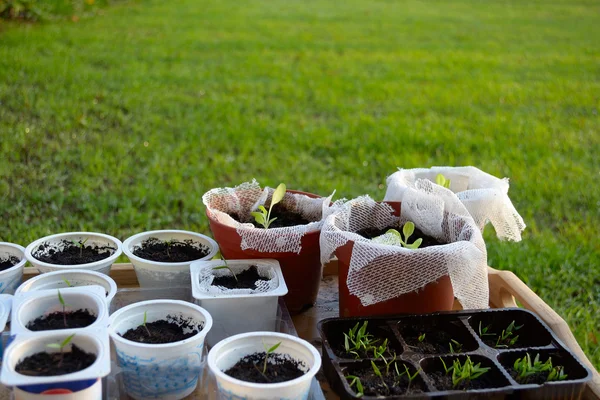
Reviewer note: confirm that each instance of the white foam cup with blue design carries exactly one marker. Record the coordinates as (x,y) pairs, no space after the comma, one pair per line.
(11,277)
(167,371)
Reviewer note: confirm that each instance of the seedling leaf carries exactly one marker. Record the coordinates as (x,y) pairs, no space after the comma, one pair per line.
(278,194)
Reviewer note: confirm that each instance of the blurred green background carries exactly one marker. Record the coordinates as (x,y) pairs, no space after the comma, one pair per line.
(117,119)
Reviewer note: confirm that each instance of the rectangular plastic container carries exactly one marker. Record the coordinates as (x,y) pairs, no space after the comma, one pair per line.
(534,337)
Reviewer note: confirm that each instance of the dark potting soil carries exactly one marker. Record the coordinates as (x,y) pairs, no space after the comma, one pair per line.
(280,368)
(161,332)
(53,364)
(444,382)
(72,253)
(246,279)
(373,386)
(538,379)
(436,341)
(8,262)
(154,249)
(284,217)
(56,320)
(370,233)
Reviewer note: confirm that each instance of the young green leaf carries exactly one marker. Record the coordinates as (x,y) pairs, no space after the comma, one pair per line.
(278,194)
(442,181)
(62,344)
(408,229)
(60,299)
(272,349)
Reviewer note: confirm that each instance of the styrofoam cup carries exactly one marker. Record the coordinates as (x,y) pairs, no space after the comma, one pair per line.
(228,352)
(11,278)
(165,274)
(92,238)
(241,312)
(76,277)
(167,371)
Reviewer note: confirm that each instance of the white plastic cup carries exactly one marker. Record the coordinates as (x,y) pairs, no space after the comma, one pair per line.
(11,278)
(100,239)
(228,352)
(76,277)
(57,391)
(242,312)
(164,274)
(167,371)
(29,306)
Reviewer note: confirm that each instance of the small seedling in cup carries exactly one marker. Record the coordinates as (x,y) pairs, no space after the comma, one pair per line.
(267,353)
(263,217)
(61,346)
(144,323)
(65,280)
(407,230)
(442,181)
(64,307)
(507,337)
(421,337)
(81,245)
(226,266)
(355,381)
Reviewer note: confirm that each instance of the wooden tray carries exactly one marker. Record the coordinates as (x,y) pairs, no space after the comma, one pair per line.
(505,290)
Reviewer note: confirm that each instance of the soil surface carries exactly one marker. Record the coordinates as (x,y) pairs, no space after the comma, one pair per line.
(280,368)
(53,364)
(56,320)
(444,382)
(154,249)
(284,217)
(160,332)
(373,385)
(72,253)
(246,279)
(370,233)
(437,339)
(8,262)
(538,379)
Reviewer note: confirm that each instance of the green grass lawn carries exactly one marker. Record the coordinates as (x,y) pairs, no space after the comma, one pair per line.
(119,123)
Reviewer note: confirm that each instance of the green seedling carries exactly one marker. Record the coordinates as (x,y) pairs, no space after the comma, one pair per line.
(557,374)
(525,368)
(465,372)
(455,346)
(507,337)
(379,351)
(144,323)
(267,353)
(410,377)
(421,337)
(387,363)
(61,346)
(442,181)
(485,331)
(355,381)
(64,307)
(226,266)
(359,340)
(65,280)
(263,217)
(377,372)
(407,230)
(81,245)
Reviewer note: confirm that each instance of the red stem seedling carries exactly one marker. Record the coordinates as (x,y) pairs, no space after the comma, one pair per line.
(61,346)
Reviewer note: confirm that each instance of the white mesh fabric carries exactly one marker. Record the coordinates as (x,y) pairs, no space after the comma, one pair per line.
(380,271)
(484,196)
(246,198)
(270,281)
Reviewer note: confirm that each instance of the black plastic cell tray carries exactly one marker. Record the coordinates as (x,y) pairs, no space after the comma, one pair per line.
(534,337)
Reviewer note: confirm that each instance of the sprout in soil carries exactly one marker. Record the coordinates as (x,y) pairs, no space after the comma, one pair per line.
(455,346)
(406,372)
(61,346)
(355,381)
(407,230)
(442,181)
(80,244)
(464,373)
(226,266)
(64,307)
(525,368)
(485,331)
(65,280)
(377,372)
(357,339)
(421,337)
(144,323)
(267,352)
(379,351)
(388,363)
(263,217)
(507,337)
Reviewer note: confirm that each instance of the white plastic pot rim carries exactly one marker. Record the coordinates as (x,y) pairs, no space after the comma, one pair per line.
(132,241)
(59,236)
(312,371)
(5,309)
(18,265)
(147,305)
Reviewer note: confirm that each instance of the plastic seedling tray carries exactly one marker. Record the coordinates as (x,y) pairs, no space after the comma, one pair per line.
(240,310)
(423,341)
(28,306)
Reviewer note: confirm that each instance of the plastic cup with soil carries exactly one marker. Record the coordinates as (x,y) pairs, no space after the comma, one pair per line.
(12,262)
(67,308)
(81,250)
(163,258)
(73,361)
(244,303)
(262,365)
(173,332)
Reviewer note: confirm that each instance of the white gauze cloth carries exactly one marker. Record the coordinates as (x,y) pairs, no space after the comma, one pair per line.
(484,196)
(380,271)
(245,198)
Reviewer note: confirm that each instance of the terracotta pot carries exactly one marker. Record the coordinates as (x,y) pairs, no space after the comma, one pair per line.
(302,272)
(435,296)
